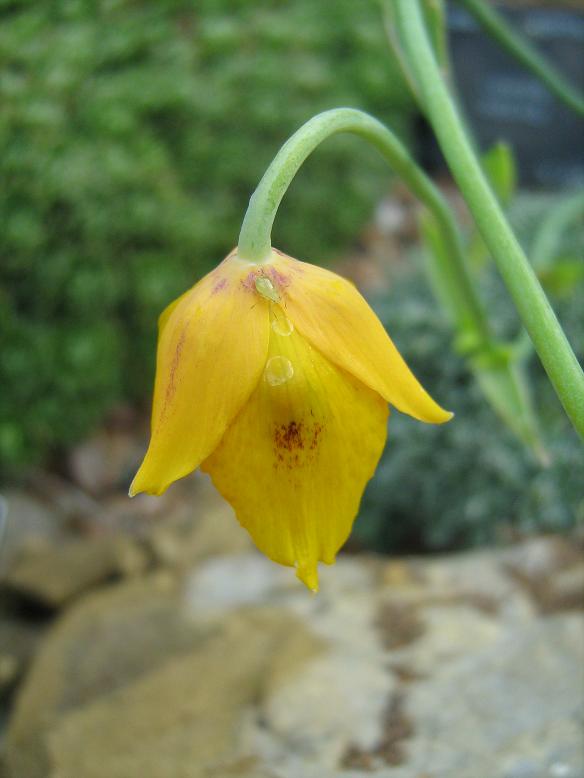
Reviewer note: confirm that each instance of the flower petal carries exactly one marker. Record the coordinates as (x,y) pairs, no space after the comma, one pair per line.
(329,311)
(212,348)
(295,461)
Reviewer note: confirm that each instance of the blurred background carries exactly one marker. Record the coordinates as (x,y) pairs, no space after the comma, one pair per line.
(132,134)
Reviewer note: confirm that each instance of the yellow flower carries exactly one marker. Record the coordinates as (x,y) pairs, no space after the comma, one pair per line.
(275,379)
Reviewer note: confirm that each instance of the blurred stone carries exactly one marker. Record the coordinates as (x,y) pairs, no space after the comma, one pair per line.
(399,624)
(398,573)
(397,669)
(8,671)
(106,461)
(18,642)
(138,515)
(340,695)
(219,532)
(225,583)
(245,767)
(72,502)
(99,645)
(566,590)
(515,699)
(433,665)
(551,572)
(210,529)
(52,576)
(129,685)
(29,523)
(187,523)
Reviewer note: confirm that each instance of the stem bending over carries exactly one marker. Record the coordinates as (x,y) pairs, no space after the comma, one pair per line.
(255,236)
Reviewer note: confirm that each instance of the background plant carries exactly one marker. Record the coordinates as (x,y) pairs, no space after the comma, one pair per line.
(131,136)
(474,481)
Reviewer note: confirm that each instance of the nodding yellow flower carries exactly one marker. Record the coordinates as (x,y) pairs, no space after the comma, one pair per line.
(275,379)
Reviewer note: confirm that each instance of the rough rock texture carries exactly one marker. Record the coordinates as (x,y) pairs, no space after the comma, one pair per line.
(129,684)
(28,523)
(464,666)
(461,666)
(51,576)
(18,642)
(58,548)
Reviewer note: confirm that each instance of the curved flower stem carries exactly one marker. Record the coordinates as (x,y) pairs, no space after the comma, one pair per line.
(530,300)
(254,239)
(514,43)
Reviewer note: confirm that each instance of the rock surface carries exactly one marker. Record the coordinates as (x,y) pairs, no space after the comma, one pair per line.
(27,523)
(459,666)
(455,666)
(128,683)
(52,576)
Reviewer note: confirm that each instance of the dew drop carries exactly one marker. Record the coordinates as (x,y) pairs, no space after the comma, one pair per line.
(281,324)
(278,371)
(266,289)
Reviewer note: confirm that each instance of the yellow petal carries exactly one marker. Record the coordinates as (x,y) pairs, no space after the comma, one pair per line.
(212,348)
(165,315)
(296,459)
(331,314)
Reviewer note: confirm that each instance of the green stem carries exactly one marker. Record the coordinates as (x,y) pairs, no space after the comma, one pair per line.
(530,300)
(395,48)
(255,237)
(510,40)
(432,17)
(435,17)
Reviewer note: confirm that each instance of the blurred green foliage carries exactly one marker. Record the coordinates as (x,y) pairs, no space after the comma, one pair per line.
(131,136)
(471,481)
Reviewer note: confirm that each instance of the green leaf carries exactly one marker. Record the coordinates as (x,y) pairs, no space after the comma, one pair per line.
(504,384)
(499,165)
(497,368)
(564,276)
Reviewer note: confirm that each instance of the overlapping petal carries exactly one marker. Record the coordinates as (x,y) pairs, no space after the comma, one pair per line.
(296,459)
(336,319)
(212,348)
(275,379)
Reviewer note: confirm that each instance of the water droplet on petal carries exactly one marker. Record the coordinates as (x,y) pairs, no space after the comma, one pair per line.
(281,324)
(278,371)
(266,289)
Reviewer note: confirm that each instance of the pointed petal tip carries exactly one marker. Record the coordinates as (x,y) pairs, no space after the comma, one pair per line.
(309,577)
(437,415)
(134,490)
(138,486)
